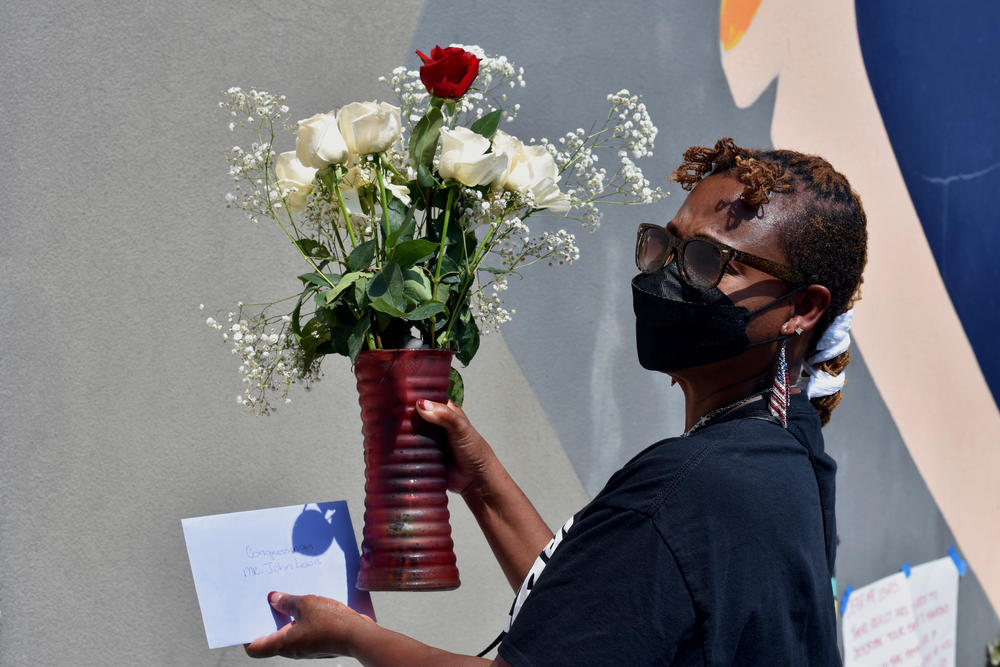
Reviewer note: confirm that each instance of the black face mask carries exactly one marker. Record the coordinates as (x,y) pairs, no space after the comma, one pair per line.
(678,326)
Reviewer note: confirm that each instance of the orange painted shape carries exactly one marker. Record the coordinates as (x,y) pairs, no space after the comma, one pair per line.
(734,20)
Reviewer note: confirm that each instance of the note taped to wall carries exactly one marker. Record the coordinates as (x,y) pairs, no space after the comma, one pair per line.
(934,590)
(908,618)
(879,627)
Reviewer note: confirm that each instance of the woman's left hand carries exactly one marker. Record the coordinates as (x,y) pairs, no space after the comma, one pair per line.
(323,628)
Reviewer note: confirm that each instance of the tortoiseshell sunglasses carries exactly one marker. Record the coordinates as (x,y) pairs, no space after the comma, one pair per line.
(701,261)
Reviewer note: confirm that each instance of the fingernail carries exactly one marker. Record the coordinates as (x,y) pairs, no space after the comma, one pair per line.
(424,404)
(273,597)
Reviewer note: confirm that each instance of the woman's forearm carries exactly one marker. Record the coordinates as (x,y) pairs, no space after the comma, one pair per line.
(514,529)
(375,646)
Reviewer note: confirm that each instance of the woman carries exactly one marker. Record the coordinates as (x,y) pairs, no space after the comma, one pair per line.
(715,547)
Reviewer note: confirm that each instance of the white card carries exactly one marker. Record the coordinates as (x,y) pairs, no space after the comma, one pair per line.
(237,559)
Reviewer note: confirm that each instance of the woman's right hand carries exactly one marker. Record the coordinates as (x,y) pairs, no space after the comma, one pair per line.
(472,459)
(512,526)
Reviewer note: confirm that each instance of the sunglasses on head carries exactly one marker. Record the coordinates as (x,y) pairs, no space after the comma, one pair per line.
(702,262)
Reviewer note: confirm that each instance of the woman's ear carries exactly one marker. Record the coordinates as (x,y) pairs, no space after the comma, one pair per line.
(810,304)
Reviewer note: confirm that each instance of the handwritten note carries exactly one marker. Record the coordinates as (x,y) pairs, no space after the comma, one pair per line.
(237,559)
(934,589)
(879,626)
(904,620)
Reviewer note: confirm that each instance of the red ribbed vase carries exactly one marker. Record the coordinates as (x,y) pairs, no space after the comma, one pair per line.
(407,542)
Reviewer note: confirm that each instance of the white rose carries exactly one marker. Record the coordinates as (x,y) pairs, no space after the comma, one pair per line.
(531,169)
(294,180)
(547,195)
(464,158)
(369,127)
(319,141)
(401,192)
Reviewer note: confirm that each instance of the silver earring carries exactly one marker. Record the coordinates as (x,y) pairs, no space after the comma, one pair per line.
(798,331)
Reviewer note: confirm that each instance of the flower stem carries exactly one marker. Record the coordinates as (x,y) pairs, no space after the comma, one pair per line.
(343,208)
(385,205)
(291,220)
(444,238)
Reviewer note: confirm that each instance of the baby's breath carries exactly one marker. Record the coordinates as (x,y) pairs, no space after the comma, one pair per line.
(271,360)
(342,208)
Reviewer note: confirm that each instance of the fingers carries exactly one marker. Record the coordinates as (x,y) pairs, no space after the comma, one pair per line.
(285,603)
(447,415)
(272,644)
(269,645)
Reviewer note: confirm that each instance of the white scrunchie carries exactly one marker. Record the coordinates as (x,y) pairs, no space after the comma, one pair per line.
(834,341)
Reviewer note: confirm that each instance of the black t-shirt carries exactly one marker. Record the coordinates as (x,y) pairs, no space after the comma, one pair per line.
(702,550)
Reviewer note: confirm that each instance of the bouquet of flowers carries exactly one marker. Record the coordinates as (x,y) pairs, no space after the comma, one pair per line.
(410,218)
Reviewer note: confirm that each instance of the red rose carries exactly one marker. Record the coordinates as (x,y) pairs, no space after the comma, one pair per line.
(448,72)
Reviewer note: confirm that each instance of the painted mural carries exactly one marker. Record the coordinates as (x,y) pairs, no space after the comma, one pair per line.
(924,132)
(786,74)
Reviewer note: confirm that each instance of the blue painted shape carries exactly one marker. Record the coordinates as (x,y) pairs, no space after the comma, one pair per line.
(933,69)
(843,600)
(959,563)
(906,569)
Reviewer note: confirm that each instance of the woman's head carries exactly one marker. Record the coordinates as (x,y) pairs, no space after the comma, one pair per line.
(794,209)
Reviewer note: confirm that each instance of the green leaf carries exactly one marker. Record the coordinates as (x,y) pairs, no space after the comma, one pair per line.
(397,215)
(425,178)
(488,124)
(456,387)
(387,287)
(413,252)
(467,336)
(383,306)
(356,340)
(450,271)
(318,280)
(447,289)
(417,285)
(423,141)
(403,233)
(361,257)
(346,281)
(327,316)
(459,251)
(296,313)
(313,249)
(314,335)
(361,299)
(425,310)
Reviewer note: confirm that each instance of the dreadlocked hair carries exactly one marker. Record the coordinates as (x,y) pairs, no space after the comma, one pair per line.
(822,226)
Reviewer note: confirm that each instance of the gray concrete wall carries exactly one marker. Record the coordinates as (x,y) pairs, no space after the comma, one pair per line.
(117,416)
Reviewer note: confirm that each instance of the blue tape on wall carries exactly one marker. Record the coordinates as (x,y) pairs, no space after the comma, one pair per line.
(847,596)
(959,563)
